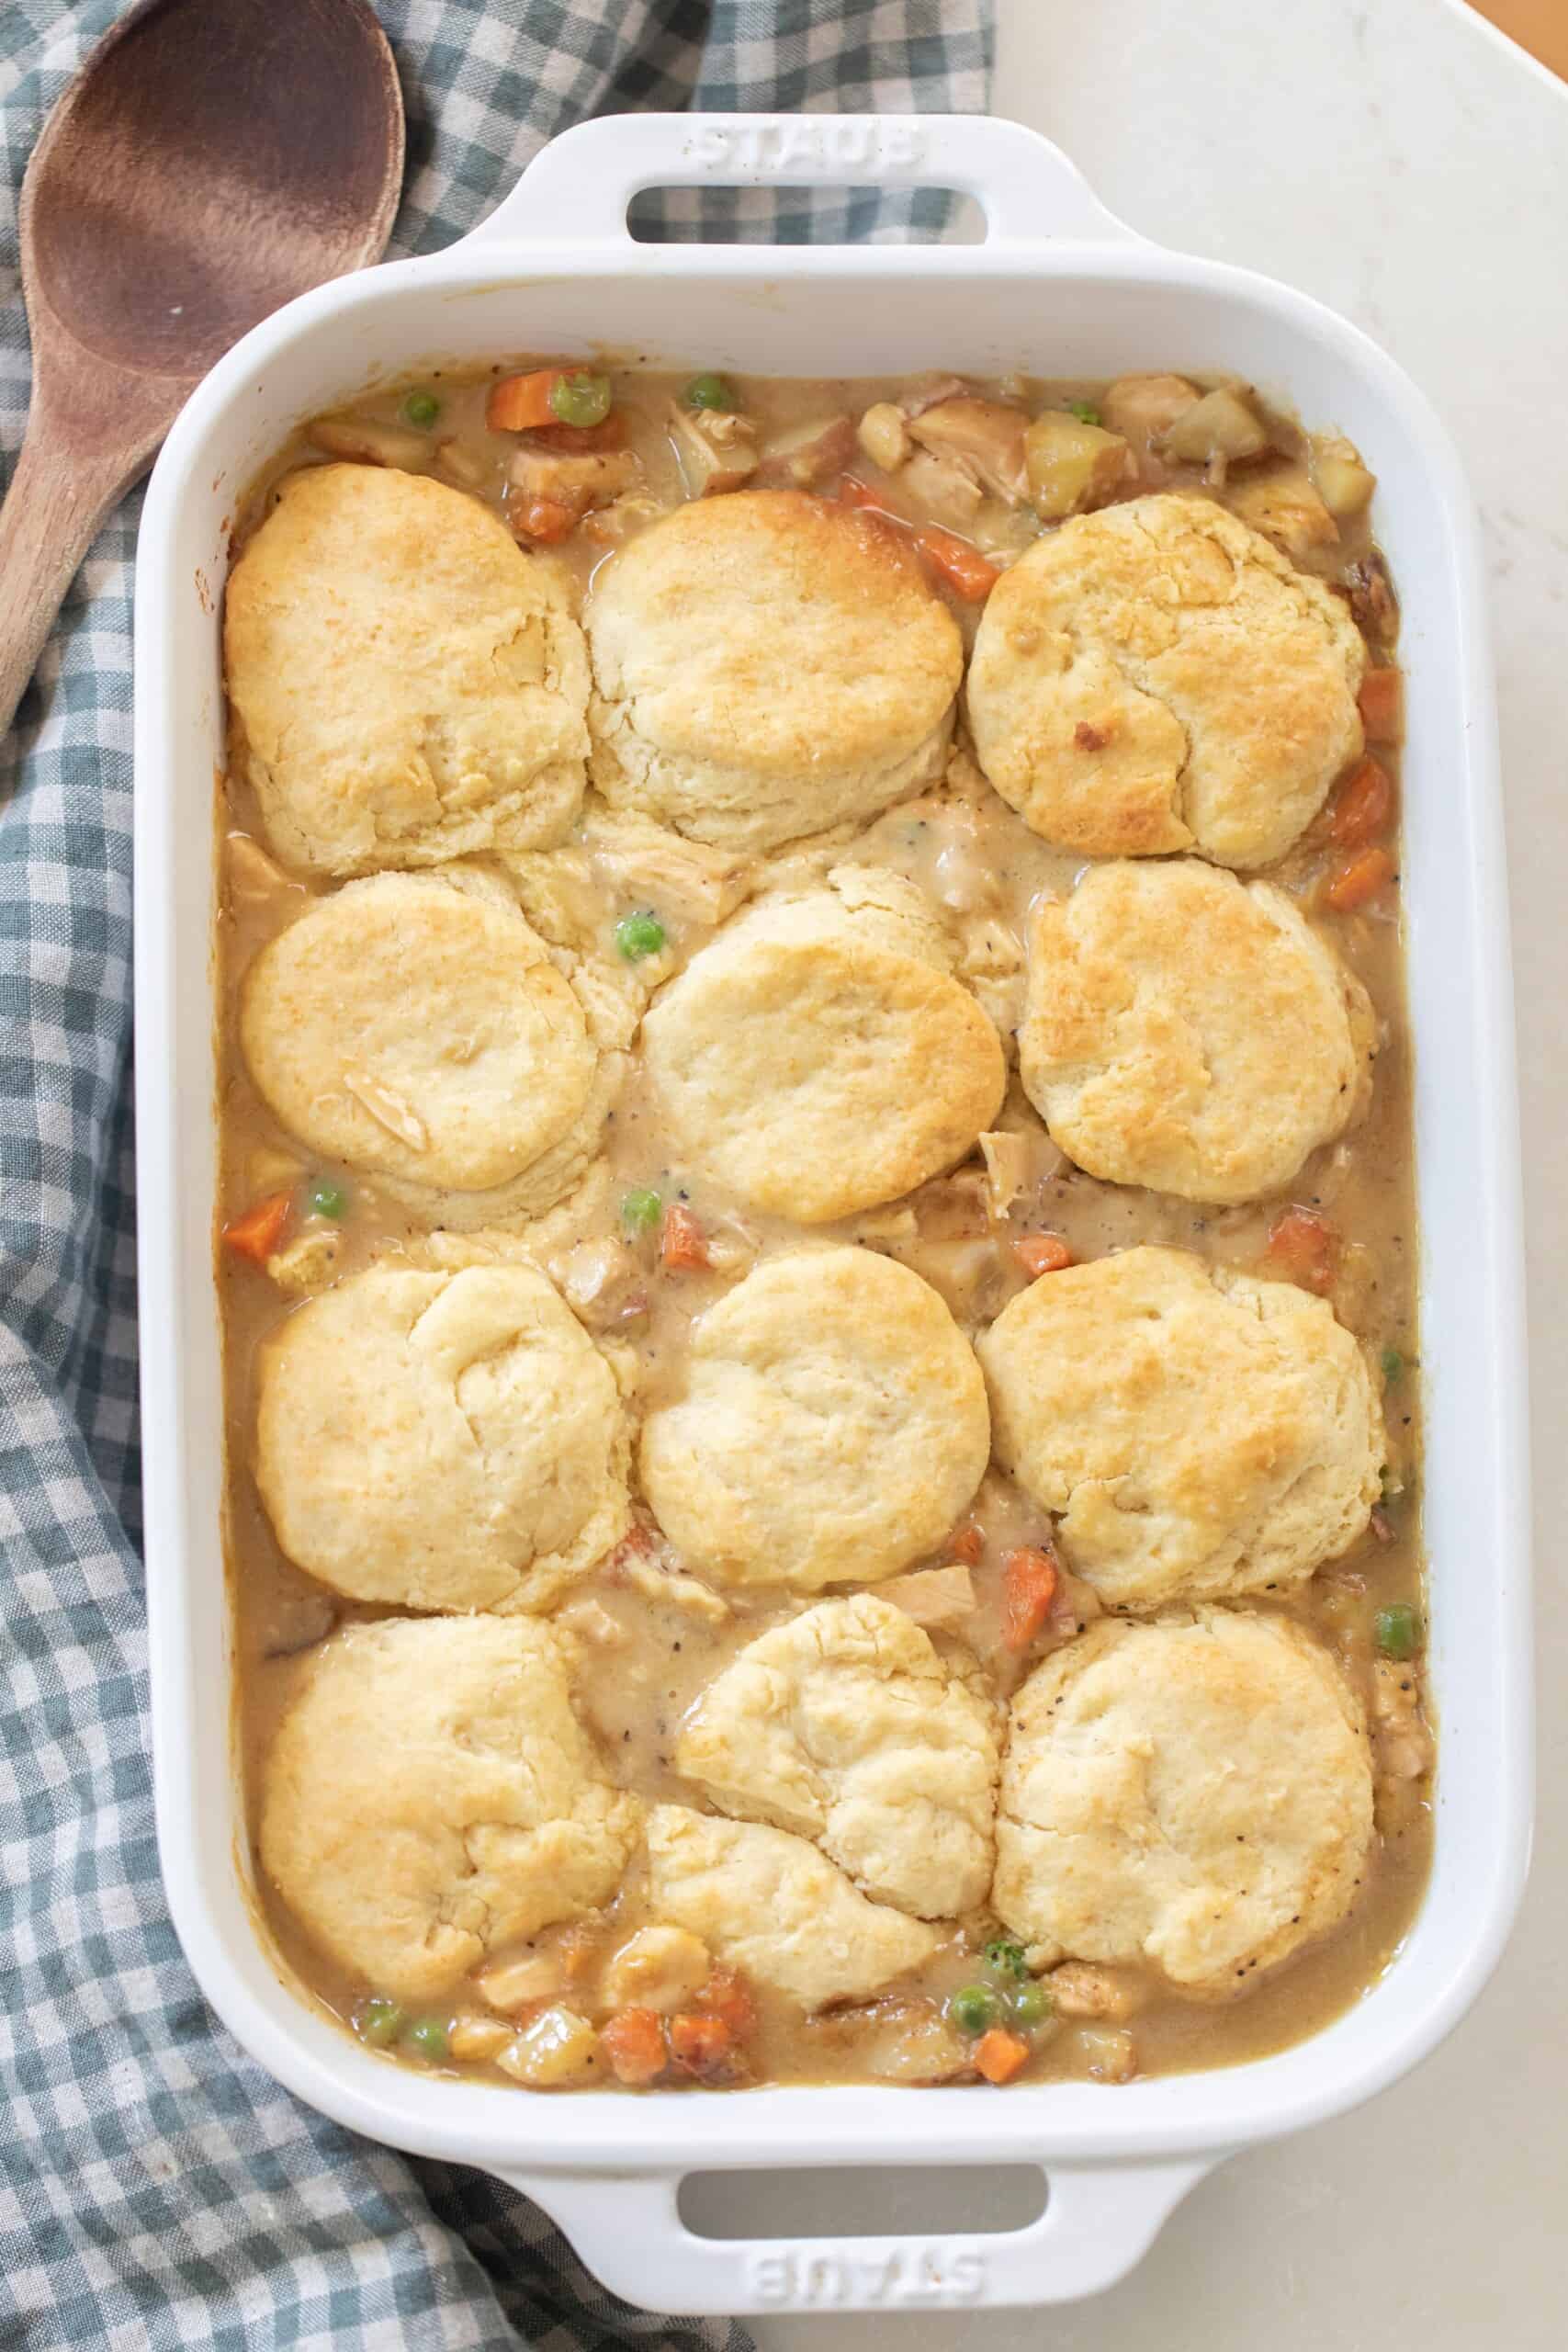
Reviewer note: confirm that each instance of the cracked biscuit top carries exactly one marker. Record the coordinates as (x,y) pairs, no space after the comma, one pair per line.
(1191,1033)
(447,1441)
(1157,676)
(407,684)
(430,1796)
(416,1028)
(766,665)
(1197,1434)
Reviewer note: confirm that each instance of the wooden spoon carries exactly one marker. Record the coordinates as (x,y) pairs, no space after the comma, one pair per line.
(211,159)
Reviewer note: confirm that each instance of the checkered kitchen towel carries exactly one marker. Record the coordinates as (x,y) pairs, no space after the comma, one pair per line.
(156,2188)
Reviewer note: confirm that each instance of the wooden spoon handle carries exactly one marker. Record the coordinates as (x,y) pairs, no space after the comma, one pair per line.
(58,497)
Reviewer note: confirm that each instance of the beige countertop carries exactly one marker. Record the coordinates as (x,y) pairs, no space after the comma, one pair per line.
(1398,159)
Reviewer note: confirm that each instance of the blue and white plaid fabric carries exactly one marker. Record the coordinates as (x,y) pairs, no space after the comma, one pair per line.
(156,2188)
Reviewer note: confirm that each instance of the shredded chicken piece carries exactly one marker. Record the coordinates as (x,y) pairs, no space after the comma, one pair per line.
(984,438)
(683,879)
(808,454)
(1009,1164)
(309,1263)
(579,481)
(1080,1989)
(926,390)
(603,1284)
(671,1584)
(660,1968)
(617,521)
(945,486)
(716,450)
(1403,1742)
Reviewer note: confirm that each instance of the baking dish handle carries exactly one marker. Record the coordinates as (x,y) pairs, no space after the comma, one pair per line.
(1098,2221)
(577,186)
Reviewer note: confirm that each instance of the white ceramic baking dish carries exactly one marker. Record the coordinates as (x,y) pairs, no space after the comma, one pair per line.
(1059,288)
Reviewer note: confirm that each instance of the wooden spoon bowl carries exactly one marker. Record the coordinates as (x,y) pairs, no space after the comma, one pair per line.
(211,159)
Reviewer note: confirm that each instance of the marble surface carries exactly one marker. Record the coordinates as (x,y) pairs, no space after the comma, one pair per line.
(1398,159)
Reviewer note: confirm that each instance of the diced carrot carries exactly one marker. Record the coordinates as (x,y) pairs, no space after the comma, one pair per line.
(1382,705)
(1303,1248)
(1361,879)
(683,1244)
(257,1233)
(1000,2055)
(968,1543)
(1363,805)
(1042,1253)
(522,404)
(1029,1587)
(547,520)
(634,2040)
(726,1997)
(962,567)
(699,2043)
(583,440)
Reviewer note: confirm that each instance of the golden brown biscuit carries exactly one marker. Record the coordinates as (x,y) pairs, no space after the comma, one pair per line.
(447,1441)
(408,684)
(769,1904)
(765,666)
(420,1031)
(845,1726)
(430,1796)
(817,1058)
(1157,676)
(1198,1435)
(827,1425)
(1191,1033)
(1196,1794)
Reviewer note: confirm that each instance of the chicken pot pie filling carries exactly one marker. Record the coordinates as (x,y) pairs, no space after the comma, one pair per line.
(817,1242)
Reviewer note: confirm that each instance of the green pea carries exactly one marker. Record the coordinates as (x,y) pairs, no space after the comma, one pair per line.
(641,1210)
(1398,1630)
(1085,411)
(431,2037)
(326,1199)
(1031,2005)
(379,2022)
(974,2008)
(1007,1957)
(581,400)
(639,935)
(1393,1365)
(711,391)
(421,409)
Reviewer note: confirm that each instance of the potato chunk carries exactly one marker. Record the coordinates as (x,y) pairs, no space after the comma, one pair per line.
(557,2051)
(1345,482)
(884,435)
(661,1968)
(1280,501)
(1071,465)
(1219,425)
